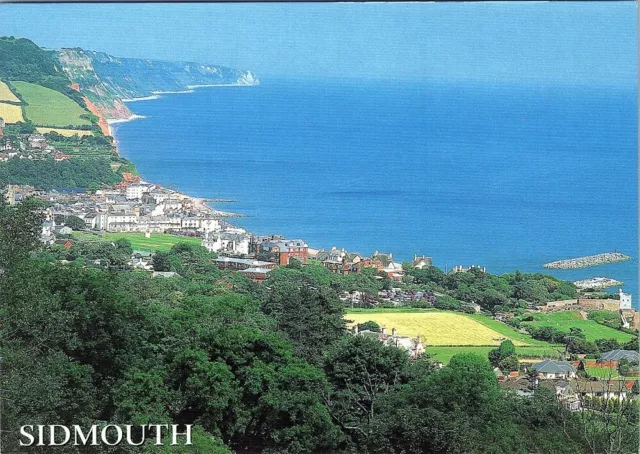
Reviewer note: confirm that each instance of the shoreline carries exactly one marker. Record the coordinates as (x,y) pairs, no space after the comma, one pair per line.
(115,121)
(143,98)
(202,202)
(157,93)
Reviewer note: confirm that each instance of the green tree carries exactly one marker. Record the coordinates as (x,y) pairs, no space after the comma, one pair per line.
(360,370)
(309,315)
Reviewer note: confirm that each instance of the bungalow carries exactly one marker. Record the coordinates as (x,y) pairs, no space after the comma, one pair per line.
(616,355)
(550,369)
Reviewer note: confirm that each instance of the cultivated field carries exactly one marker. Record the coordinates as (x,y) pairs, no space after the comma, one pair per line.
(571,319)
(438,328)
(65,132)
(48,107)
(11,113)
(6,94)
(157,242)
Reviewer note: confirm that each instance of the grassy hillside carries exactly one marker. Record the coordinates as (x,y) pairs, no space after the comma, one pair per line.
(22,59)
(47,107)
(566,320)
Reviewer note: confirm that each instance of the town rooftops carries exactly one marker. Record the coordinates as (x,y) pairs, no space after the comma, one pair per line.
(256,270)
(549,366)
(284,245)
(249,262)
(617,355)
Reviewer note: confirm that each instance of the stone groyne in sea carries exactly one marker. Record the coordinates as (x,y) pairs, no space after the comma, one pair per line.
(589,260)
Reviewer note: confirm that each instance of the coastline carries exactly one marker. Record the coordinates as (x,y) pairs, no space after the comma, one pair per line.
(167,93)
(143,98)
(113,121)
(200,201)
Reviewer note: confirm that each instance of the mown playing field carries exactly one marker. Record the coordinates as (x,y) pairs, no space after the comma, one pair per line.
(6,94)
(157,242)
(10,113)
(437,328)
(48,107)
(65,132)
(572,319)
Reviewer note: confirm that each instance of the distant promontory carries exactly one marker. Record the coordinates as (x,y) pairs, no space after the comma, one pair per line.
(107,80)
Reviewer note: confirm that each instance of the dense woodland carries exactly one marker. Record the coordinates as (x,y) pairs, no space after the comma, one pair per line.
(256,368)
(47,173)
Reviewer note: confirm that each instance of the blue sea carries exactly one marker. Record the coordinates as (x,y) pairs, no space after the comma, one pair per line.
(507,177)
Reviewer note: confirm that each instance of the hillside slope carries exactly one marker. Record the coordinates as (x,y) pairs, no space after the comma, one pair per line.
(107,80)
(23,60)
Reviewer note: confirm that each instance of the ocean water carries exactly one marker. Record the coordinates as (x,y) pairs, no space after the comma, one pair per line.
(504,177)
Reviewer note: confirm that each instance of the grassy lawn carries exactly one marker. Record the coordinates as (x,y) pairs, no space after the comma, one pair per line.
(11,113)
(65,132)
(570,319)
(602,372)
(6,94)
(48,107)
(157,242)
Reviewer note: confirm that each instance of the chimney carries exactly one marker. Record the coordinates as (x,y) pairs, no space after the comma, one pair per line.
(383,330)
(393,332)
(355,329)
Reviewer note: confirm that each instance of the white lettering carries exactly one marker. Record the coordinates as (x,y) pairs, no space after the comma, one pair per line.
(174,428)
(105,440)
(40,435)
(129,438)
(93,433)
(24,433)
(158,432)
(52,435)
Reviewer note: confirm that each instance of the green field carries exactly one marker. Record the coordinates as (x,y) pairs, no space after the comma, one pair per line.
(157,242)
(571,319)
(444,354)
(448,333)
(46,107)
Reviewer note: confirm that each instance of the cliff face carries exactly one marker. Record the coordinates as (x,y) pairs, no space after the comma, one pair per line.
(104,96)
(107,80)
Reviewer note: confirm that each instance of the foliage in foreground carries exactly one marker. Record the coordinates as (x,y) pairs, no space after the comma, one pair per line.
(243,364)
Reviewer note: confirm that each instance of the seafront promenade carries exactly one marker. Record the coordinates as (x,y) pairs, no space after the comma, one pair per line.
(586,261)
